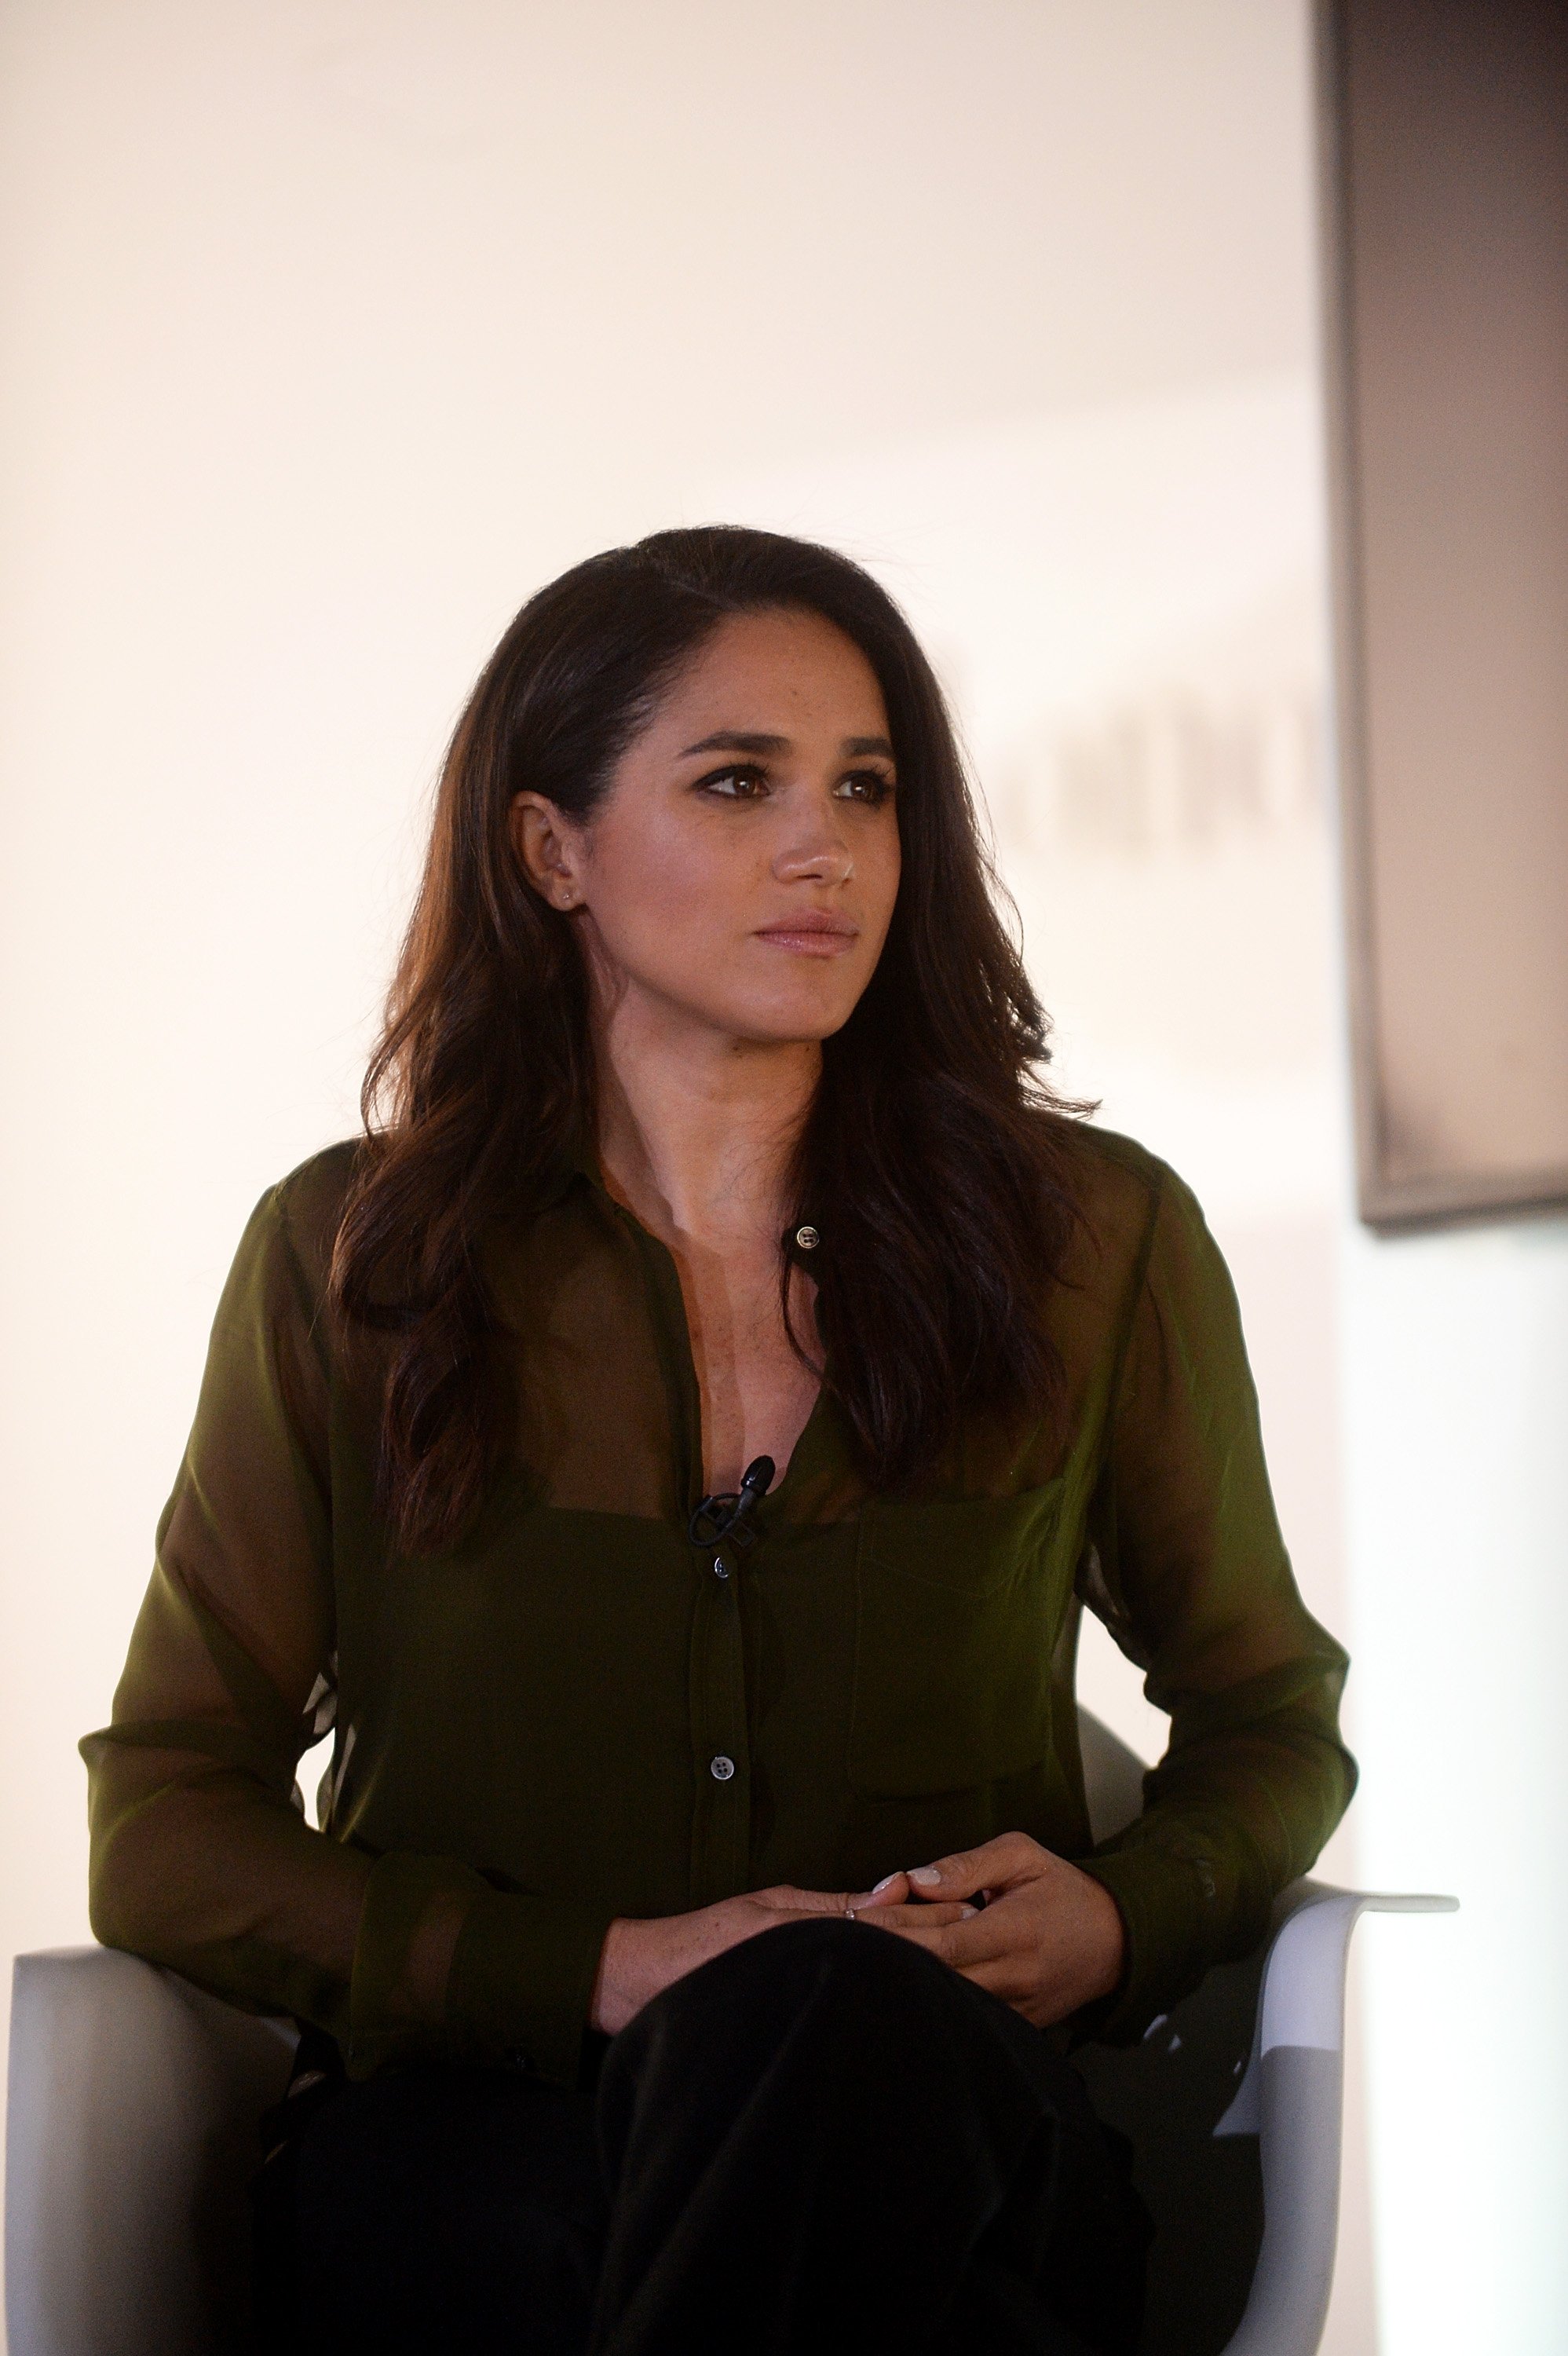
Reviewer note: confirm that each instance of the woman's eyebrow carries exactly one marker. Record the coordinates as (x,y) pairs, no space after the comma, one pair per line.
(736,740)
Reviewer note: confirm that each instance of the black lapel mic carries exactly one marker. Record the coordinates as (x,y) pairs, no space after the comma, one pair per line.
(724,1515)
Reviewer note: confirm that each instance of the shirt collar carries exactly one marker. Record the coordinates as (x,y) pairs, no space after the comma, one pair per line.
(577,1158)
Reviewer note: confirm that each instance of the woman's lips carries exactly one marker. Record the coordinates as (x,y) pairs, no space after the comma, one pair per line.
(810,939)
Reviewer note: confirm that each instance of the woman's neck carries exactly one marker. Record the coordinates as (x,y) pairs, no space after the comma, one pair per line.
(696,1130)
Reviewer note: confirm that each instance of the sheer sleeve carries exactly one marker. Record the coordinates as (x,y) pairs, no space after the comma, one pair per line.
(200,1855)
(1188,1569)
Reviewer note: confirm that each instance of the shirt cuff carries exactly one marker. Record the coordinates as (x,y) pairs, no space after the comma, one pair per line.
(1167,1912)
(446,1967)
(522,1981)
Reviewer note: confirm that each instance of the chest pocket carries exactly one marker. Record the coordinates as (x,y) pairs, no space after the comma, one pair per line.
(958,1606)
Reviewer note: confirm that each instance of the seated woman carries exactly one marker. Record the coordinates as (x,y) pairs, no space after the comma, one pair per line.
(671,1448)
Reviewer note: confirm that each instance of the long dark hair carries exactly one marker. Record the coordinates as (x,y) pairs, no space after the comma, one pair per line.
(935,1155)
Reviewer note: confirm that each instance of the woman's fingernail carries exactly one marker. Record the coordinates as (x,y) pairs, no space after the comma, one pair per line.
(925,1875)
(886,1882)
(963,1911)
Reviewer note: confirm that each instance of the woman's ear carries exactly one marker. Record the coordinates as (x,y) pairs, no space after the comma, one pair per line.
(549,850)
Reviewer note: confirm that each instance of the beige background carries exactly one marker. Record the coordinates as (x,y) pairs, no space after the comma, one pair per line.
(339,327)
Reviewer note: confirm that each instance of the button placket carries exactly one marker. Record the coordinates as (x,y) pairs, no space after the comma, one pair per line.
(721,1816)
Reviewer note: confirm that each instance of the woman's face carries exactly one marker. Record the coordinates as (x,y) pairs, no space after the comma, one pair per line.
(740,871)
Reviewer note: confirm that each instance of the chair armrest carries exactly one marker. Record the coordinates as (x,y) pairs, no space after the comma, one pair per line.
(1292,2098)
(130,2136)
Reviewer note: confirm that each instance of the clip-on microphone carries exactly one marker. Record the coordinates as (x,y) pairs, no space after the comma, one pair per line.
(724,1515)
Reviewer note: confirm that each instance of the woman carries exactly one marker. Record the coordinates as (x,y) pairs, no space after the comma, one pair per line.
(672,1445)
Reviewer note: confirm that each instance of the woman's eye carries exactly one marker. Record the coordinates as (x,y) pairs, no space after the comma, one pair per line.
(874,787)
(736,785)
(745,784)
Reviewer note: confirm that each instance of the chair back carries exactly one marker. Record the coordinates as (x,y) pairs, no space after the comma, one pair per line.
(130,2139)
(1200,2180)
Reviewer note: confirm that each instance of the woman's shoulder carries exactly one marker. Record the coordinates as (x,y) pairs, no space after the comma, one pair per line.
(1140,1218)
(1118,1184)
(305,1206)
(1145,1223)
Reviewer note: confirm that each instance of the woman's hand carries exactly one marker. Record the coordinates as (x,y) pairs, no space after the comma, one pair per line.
(641,1958)
(1048,1940)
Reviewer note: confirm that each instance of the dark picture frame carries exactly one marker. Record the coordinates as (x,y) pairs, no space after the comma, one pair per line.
(1444,153)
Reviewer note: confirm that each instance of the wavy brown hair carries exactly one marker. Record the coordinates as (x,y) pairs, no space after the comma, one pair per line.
(936,1156)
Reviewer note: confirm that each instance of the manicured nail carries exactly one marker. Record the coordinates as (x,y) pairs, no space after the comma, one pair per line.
(964,1911)
(925,1875)
(886,1882)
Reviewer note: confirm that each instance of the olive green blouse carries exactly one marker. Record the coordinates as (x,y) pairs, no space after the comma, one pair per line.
(579,1712)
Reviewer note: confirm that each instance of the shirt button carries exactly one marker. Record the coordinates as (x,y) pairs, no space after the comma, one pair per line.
(721,1568)
(722,1767)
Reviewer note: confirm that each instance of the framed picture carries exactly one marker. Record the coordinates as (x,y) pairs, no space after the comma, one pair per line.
(1445,173)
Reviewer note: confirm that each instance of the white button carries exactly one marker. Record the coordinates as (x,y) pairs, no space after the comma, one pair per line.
(722,1767)
(807,1238)
(721,1568)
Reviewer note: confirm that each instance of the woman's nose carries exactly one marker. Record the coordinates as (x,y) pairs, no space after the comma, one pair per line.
(814,852)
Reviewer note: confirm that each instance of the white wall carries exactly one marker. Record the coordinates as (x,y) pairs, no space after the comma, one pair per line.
(340,326)
(1456,1443)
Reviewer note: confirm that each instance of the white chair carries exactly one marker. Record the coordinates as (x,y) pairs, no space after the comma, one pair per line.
(134,2097)
(1234,2105)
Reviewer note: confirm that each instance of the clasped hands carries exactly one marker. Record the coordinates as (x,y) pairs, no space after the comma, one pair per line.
(1044,1937)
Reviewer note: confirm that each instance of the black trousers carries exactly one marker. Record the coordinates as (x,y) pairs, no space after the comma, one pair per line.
(823,2137)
